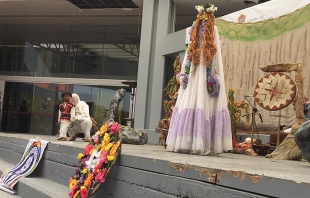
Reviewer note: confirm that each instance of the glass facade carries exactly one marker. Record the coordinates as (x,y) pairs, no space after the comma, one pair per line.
(33,107)
(80,52)
(98,52)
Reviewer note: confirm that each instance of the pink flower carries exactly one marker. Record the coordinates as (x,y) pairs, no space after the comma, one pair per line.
(72,192)
(97,168)
(102,155)
(100,176)
(115,127)
(75,188)
(88,149)
(96,140)
(84,193)
(84,160)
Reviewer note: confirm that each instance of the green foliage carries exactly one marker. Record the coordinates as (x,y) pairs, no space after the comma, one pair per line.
(100,112)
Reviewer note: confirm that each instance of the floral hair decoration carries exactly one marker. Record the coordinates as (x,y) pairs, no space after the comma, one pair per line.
(203,8)
(203,27)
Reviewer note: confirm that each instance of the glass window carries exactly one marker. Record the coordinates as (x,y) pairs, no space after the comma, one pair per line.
(33,107)
(97,52)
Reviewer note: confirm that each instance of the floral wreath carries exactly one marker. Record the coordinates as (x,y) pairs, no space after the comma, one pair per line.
(205,8)
(96,161)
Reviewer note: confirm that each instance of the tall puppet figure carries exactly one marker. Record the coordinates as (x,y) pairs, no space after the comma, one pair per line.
(200,122)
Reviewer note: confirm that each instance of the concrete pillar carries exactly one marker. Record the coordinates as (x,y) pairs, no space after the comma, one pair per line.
(156,23)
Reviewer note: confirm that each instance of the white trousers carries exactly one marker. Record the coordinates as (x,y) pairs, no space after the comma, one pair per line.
(63,128)
(80,127)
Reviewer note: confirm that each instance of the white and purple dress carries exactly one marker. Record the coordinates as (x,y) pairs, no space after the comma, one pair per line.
(200,122)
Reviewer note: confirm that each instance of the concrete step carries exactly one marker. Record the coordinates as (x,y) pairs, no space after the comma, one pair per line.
(7,195)
(57,164)
(30,187)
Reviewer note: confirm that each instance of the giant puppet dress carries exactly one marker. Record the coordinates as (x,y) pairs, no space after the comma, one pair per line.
(200,122)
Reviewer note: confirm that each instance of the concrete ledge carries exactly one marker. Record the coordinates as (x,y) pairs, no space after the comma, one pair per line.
(152,136)
(153,171)
(130,182)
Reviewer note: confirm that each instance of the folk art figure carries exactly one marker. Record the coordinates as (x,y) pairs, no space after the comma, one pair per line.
(200,122)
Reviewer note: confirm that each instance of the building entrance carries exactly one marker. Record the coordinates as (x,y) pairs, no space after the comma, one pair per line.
(30,107)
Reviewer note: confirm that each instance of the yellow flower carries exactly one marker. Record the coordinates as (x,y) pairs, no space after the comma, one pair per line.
(84,171)
(106,139)
(98,147)
(72,183)
(80,155)
(103,129)
(107,148)
(91,152)
(82,187)
(110,158)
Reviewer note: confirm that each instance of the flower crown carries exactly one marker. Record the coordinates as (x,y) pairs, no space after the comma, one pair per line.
(203,8)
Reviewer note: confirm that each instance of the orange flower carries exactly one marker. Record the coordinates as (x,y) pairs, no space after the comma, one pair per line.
(76,194)
(87,181)
(114,148)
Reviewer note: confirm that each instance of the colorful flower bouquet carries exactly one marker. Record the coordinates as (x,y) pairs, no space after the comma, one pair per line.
(96,161)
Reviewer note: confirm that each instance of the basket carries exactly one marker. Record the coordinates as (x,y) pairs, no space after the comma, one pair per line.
(274,137)
(118,152)
(262,149)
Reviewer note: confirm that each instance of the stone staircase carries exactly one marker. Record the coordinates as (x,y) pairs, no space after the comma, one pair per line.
(140,172)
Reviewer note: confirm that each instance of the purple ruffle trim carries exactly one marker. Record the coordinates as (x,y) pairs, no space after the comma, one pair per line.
(192,123)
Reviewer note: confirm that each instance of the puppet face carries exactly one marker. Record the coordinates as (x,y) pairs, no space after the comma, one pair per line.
(75,99)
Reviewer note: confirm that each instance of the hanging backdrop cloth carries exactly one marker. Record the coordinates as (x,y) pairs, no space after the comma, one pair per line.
(31,158)
(200,123)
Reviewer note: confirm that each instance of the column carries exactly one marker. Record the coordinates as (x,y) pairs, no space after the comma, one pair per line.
(156,23)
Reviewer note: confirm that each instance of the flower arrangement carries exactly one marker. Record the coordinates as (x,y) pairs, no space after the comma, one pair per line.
(96,161)
(183,78)
(213,85)
(206,8)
